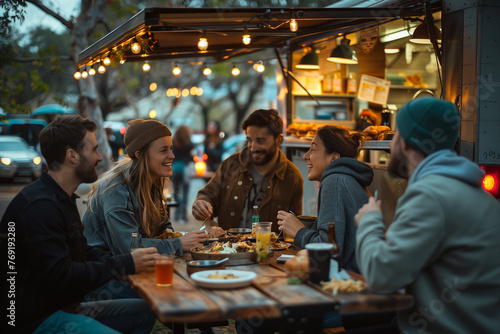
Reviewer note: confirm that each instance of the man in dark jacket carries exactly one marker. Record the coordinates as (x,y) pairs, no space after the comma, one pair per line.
(50,267)
(260,175)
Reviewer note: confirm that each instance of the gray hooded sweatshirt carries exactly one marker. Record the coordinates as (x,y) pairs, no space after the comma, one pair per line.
(443,246)
(342,192)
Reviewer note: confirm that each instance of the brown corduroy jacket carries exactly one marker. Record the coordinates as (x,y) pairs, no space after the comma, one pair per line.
(228,189)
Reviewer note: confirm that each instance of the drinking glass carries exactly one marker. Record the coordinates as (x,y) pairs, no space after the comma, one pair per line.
(164,269)
(263,236)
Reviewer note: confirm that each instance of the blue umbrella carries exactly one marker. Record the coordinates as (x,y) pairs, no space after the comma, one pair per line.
(52,109)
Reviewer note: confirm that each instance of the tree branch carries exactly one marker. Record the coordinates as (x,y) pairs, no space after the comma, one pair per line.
(48,11)
(30,60)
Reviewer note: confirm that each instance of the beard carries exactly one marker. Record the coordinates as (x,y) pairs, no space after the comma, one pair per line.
(268,156)
(398,165)
(86,171)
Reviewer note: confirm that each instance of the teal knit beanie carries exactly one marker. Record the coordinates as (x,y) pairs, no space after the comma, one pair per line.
(428,124)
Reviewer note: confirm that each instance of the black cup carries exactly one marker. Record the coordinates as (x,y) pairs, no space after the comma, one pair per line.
(319,261)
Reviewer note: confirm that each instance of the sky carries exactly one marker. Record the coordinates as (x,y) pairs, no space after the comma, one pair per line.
(35,16)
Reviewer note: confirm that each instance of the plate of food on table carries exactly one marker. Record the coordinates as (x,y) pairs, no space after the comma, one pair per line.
(239,248)
(223,279)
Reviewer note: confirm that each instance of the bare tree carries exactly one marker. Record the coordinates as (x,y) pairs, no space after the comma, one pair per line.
(91,14)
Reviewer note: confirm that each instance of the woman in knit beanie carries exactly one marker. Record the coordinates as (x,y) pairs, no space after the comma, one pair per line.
(129,198)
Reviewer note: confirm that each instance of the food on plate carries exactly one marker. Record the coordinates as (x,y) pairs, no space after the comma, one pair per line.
(343,286)
(169,235)
(216,232)
(222,276)
(298,266)
(280,245)
(226,247)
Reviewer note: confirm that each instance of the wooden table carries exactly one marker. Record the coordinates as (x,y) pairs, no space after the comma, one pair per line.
(269,297)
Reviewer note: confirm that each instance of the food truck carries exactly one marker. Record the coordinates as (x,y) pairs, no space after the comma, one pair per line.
(353,62)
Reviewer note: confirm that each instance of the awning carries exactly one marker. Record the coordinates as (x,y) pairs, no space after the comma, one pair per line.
(171,33)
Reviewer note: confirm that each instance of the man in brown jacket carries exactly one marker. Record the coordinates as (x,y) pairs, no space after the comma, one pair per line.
(260,175)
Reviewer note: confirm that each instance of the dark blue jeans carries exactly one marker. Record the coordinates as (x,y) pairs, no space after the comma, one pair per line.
(110,316)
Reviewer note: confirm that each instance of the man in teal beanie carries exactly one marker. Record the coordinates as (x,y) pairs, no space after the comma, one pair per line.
(443,243)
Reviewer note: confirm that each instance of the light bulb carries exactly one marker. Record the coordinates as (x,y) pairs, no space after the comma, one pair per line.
(123,60)
(85,74)
(101,69)
(246,39)
(146,67)
(107,61)
(202,44)
(207,71)
(235,71)
(153,86)
(176,70)
(294,26)
(92,71)
(77,75)
(135,48)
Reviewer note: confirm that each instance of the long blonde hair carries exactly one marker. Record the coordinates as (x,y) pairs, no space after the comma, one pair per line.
(149,193)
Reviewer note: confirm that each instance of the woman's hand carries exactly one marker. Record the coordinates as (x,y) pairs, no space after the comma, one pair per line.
(288,223)
(191,239)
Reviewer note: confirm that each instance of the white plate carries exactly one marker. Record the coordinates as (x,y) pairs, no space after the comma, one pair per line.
(245,278)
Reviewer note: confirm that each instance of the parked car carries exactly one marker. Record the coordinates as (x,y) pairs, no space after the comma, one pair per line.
(17,158)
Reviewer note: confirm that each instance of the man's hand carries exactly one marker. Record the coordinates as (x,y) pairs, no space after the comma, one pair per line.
(371,206)
(202,210)
(144,258)
(191,239)
(288,223)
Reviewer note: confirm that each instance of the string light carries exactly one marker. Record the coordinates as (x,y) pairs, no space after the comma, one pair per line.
(246,37)
(176,70)
(123,60)
(77,75)
(153,86)
(85,74)
(259,66)
(294,26)
(235,71)
(203,43)
(146,67)
(207,71)
(101,69)
(92,70)
(135,47)
(107,61)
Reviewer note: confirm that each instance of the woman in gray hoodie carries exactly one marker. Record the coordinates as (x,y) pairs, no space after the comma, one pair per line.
(331,160)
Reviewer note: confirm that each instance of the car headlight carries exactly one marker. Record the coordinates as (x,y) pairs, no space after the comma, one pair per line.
(37,160)
(5,161)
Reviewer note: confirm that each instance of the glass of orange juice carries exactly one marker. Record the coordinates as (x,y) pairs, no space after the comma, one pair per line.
(263,236)
(164,269)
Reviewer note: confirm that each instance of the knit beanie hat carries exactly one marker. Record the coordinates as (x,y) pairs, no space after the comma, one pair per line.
(141,132)
(428,124)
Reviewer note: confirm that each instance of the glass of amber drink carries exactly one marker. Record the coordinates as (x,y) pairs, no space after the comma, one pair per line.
(263,236)
(164,269)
